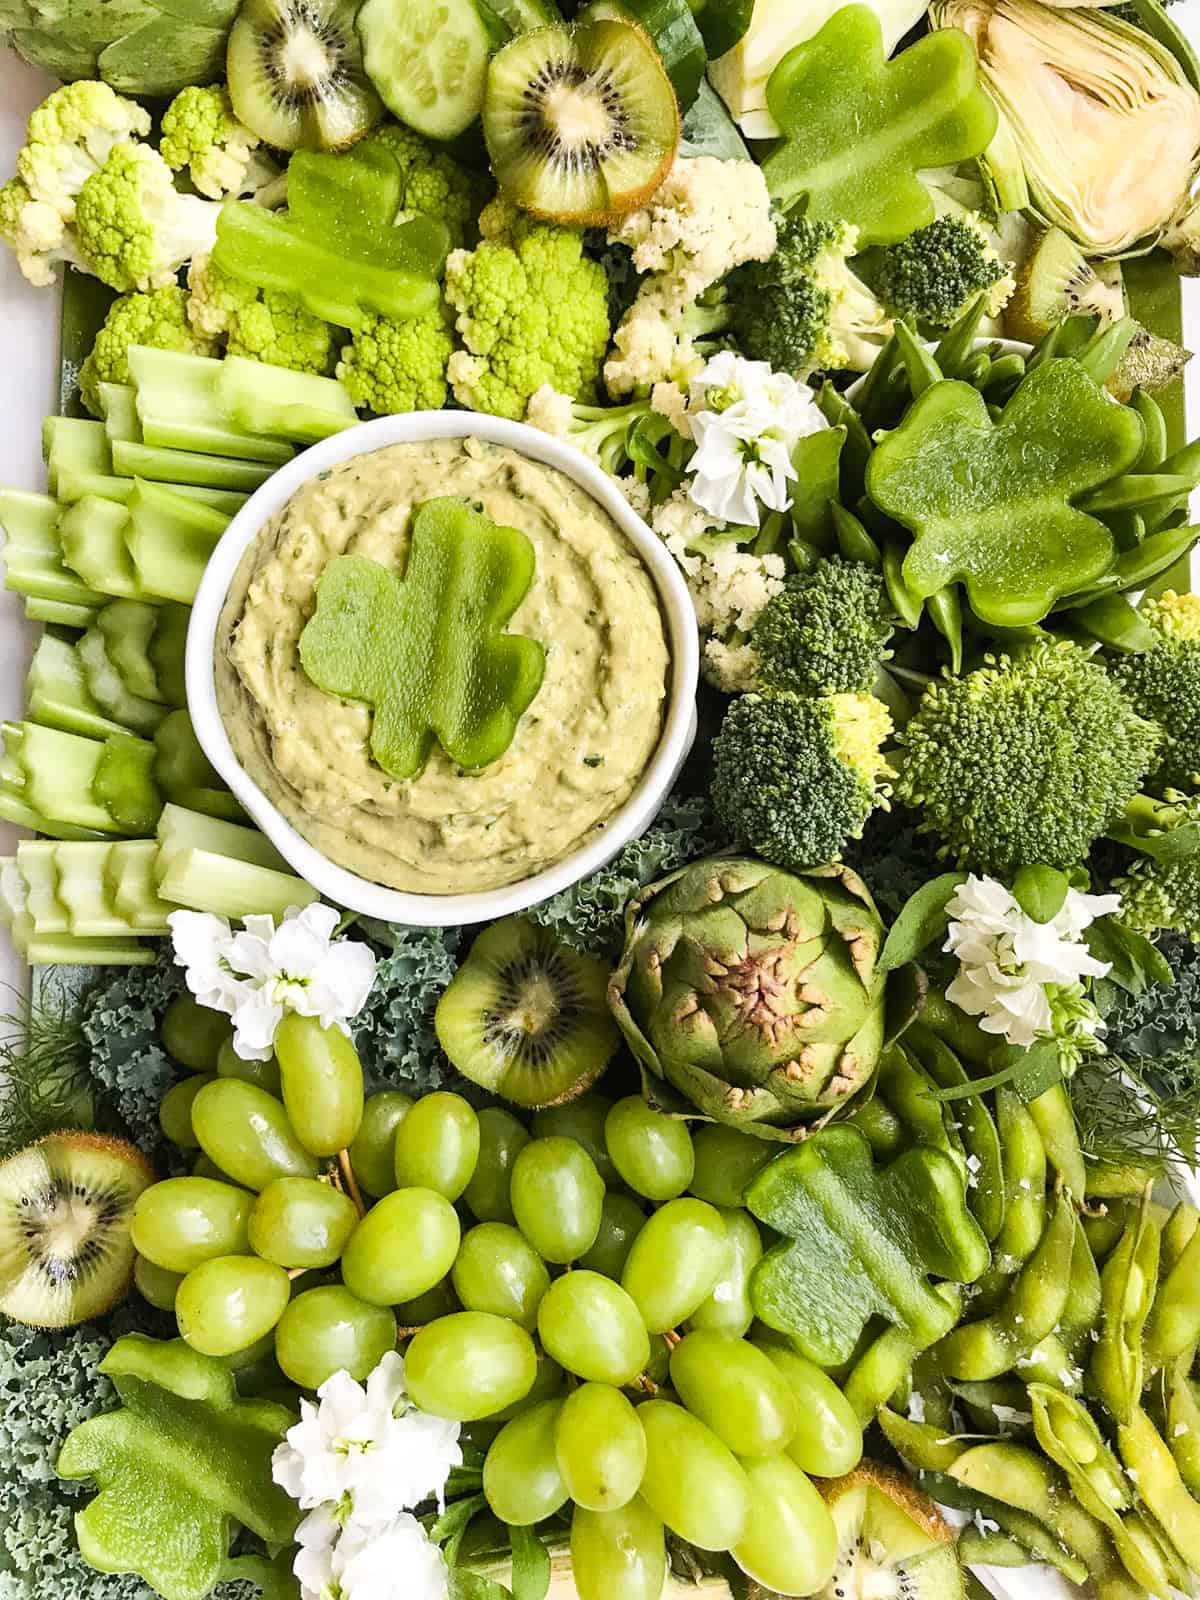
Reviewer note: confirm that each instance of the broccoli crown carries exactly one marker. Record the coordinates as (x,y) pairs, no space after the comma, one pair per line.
(70,136)
(432,184)
(201,132)
(936,273)
(264,324)
(135,230)
(1024,761)
(1164,685)
(796,776)
(392,365)
(158,319)
(827,632)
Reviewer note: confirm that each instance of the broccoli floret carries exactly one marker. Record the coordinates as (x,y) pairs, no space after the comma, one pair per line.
(828,632)
(158,319)
(935,274)
(263,324)
(1164,685)
(804,310)
(432,184)
(391,365)
(797,776)
(1024,761)
(1162,896)
(36,234)
(70,136)
(221,155)
(135,230)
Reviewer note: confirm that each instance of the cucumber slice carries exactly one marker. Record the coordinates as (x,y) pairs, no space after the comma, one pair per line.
(128,627)
(57,694)
(92,532)
(207,882)
(180,830)
(672,27)
(428,59)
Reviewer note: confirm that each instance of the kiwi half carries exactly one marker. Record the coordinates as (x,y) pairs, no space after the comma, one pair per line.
(296,74)
(581,123)
(892,1542)
(526,1017)
(65,1250)
(1057,281)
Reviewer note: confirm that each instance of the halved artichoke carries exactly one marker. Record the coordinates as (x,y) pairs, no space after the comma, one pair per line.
(1102,117)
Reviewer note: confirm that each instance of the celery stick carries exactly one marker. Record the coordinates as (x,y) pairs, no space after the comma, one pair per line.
(128,711)
(207,882)
(60,612)
(170,540)
(59,770)
(33,552)
(124,784)
(79,873)
(127,627)
(35,861)
(92,532)
(292,405)
(180,830)
(57,694)
(178,408)
(73,486)
(75,444)
(173,466)
(13,809)
(14,905)
(166,652)
(118,402)
(185,775)
(130,887)
(66,950)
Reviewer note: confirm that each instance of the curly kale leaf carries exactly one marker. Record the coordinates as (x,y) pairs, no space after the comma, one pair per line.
(394,1031)
(121,1020)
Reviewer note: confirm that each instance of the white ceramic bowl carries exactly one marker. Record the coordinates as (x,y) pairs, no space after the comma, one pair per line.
(346,888)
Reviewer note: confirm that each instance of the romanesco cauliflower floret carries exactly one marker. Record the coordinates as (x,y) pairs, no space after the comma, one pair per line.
(529,312)
(392,365)
(70,136)
(158,319)
(36,233)
(135,230)
(222,156)
(432,184)
(264,324)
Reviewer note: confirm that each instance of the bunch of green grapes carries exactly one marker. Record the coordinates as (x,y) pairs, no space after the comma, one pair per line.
(576,1291)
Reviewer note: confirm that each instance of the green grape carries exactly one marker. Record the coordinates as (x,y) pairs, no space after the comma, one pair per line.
(582,1120)
(328,1329)
(675,1261)
(405,1244)
(259,1354)
(181,1222)
(175,1110)
(301,1222)
(601,1447)
(373,1149)
(155,1284)
(202,1167)
(501,1140)
(621,1220)
(437,1145)
(618,1555)
(692,1481)
(726,1160)
(546,1386)
(246,1132)
(230,1302)
(828,1441)
(322,1082)
(592,1328)
(653,1153)
(727,1308)
(437,1302)
(557,1198)
(469,1365)
(264,1074)
(521,1479)
(658,1367)
(735,1390)
(193,1034)
(790,1543)
(497,1270)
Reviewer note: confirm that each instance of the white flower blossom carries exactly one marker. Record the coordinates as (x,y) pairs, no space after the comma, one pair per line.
(259,974)
(1009,965)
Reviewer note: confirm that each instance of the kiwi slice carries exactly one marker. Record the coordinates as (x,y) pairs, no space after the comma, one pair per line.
(892,1542)
(296,74)
(1058,281)
(581,123)
(525,1016)
(65,1250)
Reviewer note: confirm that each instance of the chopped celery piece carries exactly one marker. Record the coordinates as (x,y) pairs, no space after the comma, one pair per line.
(66,950)
(128,626)
(33,554)
(184,774)
(14,905)
(60,612)
(124,783)
(170,540)
(130,887)
(74,485)
(35,862)
(179,409)
(189,466)
(180,830)
(167,649)
(129,711)
(79,873)
(294,405)
(118,402)
(13,809)
(92,532)
(207,882)
(58,771)
(74,444)
(57,694)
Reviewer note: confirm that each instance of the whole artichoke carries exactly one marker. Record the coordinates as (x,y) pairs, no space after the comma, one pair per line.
(139,47)
(753,992)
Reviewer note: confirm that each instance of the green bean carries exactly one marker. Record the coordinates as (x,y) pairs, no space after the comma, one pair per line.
(1178,1231)
(908,1089)
(1173,1325)
(1114,623)
(880,1126)
(1181,1409)
(1160,1485)
(1020,1477)
(977,1129)
(922,1444)
(1126,1291)
(885,1364)
(1029,1312)
(1055,1121)
(1154,451)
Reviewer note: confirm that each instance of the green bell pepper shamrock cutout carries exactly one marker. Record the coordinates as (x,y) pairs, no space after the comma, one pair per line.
(858,128)
(989,503)
(427,650)
(182,1462)
(859,1243)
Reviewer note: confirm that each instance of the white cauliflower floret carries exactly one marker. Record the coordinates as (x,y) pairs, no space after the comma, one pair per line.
(732,668)
(670,400)
(551,411)
(637,492)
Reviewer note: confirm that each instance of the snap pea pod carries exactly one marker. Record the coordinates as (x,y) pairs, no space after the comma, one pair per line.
(886,1363)
(880,1126)
(1127,1283)
(920,364)
(1005,374)
(958,344)
(1173,1325)
(1020,1477)
(1160,1485)
(856,451)
(1055,1121)
(922,1444)
(977,1129)
(907,1088)
(870,398)
(1178,1231)
(1029,1312)
(1181,1410)
(1154,451)
(1055,1360)
(944,609)
(854,542)
(907,605)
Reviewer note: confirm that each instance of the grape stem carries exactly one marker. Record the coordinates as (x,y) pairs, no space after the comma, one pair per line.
(351,1182)
(644,1384)
(671,1338)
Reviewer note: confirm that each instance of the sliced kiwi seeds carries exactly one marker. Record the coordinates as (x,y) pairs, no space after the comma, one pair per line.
(892,1542)
(1058,281)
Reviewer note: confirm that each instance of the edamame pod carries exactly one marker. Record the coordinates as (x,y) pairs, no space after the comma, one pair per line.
(921,1444)
(1178,1230)
(886,1363)
(977,1129)
(880,1126)
(1182,1411)
(1055,1360)
(1024,1157)
(1127,1283)
(1173,1325)
(1055,1121)
(1160,1486)
(906,1087)
(1022,1478)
